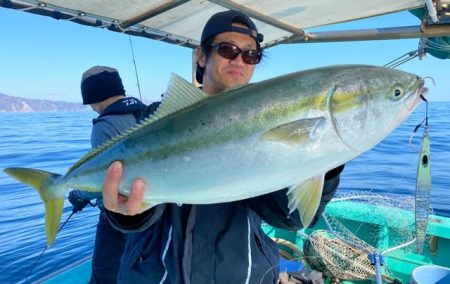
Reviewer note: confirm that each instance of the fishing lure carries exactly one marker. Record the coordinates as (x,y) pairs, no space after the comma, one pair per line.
(423,187)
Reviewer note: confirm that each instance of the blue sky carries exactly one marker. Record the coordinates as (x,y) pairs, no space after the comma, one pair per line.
(44,58)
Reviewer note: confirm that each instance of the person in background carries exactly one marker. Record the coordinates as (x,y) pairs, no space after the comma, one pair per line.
(102,89)
(213,243)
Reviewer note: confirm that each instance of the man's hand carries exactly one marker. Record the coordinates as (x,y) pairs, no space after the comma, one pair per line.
(118,203)
(77,201)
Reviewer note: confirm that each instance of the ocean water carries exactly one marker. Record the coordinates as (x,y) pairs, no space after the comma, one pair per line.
(54,141)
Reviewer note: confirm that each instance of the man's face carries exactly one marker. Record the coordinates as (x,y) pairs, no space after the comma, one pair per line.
(96,107)
(222,73)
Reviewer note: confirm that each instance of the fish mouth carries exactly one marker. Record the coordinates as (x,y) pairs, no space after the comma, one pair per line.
(420,95)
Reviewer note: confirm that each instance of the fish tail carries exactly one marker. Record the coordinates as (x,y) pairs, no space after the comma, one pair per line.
(51,192)
(305,197)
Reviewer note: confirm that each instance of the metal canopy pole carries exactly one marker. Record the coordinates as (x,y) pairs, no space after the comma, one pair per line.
(297,32)
(152,13)
(375,34)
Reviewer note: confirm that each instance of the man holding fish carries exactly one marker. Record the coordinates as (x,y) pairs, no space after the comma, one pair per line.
(216,243)
(216,162)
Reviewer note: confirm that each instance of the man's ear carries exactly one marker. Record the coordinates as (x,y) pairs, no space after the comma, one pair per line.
(201,57)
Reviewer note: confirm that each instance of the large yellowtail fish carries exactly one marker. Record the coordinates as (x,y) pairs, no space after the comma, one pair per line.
(248,141)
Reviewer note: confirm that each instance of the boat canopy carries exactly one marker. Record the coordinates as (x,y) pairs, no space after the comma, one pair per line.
(181,21)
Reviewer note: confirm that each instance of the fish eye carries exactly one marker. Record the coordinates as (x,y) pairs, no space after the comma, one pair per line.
(397,92)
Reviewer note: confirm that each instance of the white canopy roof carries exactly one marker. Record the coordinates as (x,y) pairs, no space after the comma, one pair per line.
(181,21)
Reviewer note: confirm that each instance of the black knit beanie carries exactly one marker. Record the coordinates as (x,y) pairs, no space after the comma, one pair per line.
(99,83)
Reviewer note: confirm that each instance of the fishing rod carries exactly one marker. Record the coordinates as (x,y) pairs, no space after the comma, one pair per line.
(74,210)
(46,247)
(135,68)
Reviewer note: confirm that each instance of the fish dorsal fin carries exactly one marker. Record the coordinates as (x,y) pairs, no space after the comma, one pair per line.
(180,94)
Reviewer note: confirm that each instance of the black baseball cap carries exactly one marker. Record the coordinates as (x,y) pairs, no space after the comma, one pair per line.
(223,22)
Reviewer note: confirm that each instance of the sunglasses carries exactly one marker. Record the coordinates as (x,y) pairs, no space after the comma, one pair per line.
(230,51)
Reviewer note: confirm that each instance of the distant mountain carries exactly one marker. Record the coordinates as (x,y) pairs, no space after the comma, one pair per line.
(18,104)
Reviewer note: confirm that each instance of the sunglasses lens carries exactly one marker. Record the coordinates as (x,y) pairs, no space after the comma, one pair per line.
(251,56)
(228,51)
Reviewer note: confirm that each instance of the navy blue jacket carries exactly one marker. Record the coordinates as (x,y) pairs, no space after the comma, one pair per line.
(217,243)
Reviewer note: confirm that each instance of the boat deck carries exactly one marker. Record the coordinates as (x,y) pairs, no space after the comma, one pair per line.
(352,215)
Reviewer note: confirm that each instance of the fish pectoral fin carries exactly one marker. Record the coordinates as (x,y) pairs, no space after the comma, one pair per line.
(305,197)
(296,132)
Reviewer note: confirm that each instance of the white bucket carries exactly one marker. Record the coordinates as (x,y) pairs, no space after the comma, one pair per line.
(430,274)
